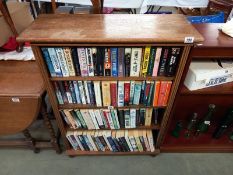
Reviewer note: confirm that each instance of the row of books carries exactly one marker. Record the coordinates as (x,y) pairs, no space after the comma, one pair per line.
(109,118)
(116,62)
(115,140)
(113,93)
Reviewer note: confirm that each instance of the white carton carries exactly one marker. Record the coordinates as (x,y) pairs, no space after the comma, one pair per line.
(203,74)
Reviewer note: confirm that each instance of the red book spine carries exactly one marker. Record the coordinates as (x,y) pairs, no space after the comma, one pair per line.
(162,93)
(127,92)
(167,93)
(113,91)
(106,118)
(146,93)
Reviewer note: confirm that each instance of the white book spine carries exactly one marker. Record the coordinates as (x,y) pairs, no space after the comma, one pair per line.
(133,118)
(150,140)
(83,61)
(132,83)
(135,62)
(97,93)
(77,94)
(55,61)
(105,135)
(110,120)
(120,96)
(91,141)
(69,61)
(62,61)
(71,142)
(127,121)
(81,91)
(117,121)
(86,92)
(69,97)
(98,117)
(128,141)
(79,143)
(92,114)
(133,143)
(59,97)
(90,61)
(86,118)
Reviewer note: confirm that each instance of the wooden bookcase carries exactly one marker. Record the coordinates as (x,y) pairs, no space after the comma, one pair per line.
(110,30)
(215,45)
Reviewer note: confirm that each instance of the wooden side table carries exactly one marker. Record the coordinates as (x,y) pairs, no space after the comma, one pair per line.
(21,100)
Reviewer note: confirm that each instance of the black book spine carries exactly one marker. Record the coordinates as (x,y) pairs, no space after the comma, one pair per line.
(83,142)
(90,86)
(142,116)
(119,149)
(94,57)
(63,92)
(172,61)
(101,138)
(127,64)
(100,61)
(121,118)
(125,144)
(137,117)
(75,61)
(142,92)
(111,142)
(71,87)
(163,61)
(123,148)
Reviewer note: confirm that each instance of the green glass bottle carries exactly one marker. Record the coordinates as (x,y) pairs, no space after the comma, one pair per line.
(204,124)
(191,125)
(177,129)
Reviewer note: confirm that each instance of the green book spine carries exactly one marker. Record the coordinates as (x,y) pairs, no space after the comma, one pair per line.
(114,119)
(79,115)
(150,96)
(151,61)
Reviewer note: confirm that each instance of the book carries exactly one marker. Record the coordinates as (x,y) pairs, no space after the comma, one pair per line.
(106,93)
(120,96)
(100,61)
(114,119)
(77,94)
(167,93)
(126,92)
(110,120)
(150,140)
(156,61)
(127,140)
(68,92)
(137,92)
(86,92)
(107,62)
(142,113)
(65,118)
(132,118)
(55,62)
(74,55)
(93,117)
(148,116)
(76,119)
(78,140)
(150,96)
(121,118)
(151,61)
(87,118)
(90,66)
(135,62)
(145,140)
(83,61)
(48,61)
(156,93)
(127,118)
(162,92)
(94,58)
(99,118)
(173,61)
(146,92)
(62,61)
(70,118)
(155,115)
(69,61)
(63,92)
(127,61)
(114,62)
(58,93)
(137,117)
(163,61)
(91,92)
(72,91)
(137,140)
(132,140)
(72,140)
(121,63)
(97,93)
(113,93)
(105,116)
(132,83)
(81,91)
(145,61)
(143,87)
(141,138)
(80,117)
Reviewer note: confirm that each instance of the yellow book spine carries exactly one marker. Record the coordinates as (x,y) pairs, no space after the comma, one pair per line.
(106,93)
(145,60)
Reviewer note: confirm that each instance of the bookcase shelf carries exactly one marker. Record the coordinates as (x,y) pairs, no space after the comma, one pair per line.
(111,31)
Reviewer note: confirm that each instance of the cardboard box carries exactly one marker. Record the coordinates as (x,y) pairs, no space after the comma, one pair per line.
(21,16)
(203,74)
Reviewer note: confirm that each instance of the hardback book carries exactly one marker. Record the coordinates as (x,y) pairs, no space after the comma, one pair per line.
(68,92)
(173,61)
(58,93)
(73,96)
(106,93)
(74,55)
(150,140)
(127,118)
(132,83)
(99,118)
(98,96)
(69,61)
(162,93)
(107,62)
(121,118)
(127,61)
(126,92)
(62,61)
(90,65)
(91,92)
(83,62)
(114,62)
(94,58)
(86,92)
(150,96)
(82,93)
(137,92)
(113,92)
(120,96)
(135,62)
(93,117)
(77,94)
(163,61)
(100,61)
(156,62)
(132,118)
(55,62)
(63,91)
(151,61)
(148,116)
(48,62)
(145,61)
(156,93)
(121,62)
(80,117)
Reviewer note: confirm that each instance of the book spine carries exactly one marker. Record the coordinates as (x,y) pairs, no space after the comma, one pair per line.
(55,62)
(120,96)
(167,93)
(117,120)
(145,60)
(72,141)
(62,62)
(127,61)
(107,62)
(76,89)
(58,93)
(69,61)
(99,144)
(148,117)
(142,143)
(88,142)
(162,92)
(110,120)
(92,114)
(137,93)
(127,118)
(63,92)
(74,55)
(151,61)
(106,140)
(132,83)
(142,116)
(100,61)
(114,62)
(132,118)
(150,96)
(94,58)
(121,118)
(156,62)
(68,92)
(113,92)
(48,62)
(172,61)
(70,118)
(150,140)
(76,119)
(121,65)
(83,61)
(73,96)
(99,119)
(143,87)
(113,119)
(128,141)
(82,94)
(80,117)
(106,93)
(135,62)
(138,117)
(87,95)
(90,65)
(97,93)
(83,142)
(105,114)
(90,86)
(111,142)
(156,93)
(163,62)
(146,92)
(126,92)
(133,143)
(65,118)
(79,143)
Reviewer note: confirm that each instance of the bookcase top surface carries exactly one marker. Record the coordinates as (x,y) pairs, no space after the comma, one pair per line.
(114,28)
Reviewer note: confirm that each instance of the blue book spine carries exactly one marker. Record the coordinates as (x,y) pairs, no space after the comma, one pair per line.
(100,145)
(83,142)
(110,140)
(73,95)
(76,90)
(88,142)
(114,59)
(90,86)
(137,93)
(49,62)
(55,62)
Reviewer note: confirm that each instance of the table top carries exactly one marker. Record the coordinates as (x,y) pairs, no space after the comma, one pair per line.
(122,28)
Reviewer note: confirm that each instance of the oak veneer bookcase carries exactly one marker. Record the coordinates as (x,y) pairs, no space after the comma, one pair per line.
(109,30)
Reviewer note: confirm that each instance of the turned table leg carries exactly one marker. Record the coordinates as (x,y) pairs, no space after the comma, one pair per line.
(30,141)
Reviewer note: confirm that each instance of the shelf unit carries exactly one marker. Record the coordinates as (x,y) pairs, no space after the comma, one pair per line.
(215,45)
(109,31)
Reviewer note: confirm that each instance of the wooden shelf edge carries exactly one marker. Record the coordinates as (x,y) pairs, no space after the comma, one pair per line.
(100,78)
(73,152)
